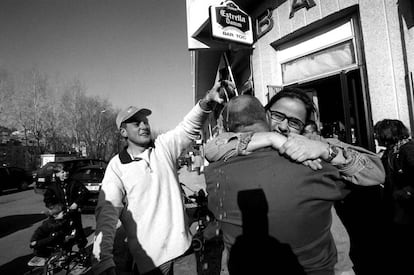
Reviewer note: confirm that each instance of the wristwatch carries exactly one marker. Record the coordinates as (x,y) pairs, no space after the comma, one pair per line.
(333,152)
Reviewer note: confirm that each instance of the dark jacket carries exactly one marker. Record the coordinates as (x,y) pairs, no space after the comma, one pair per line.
(66,193)
(50,232)
(299,202)
(398,161)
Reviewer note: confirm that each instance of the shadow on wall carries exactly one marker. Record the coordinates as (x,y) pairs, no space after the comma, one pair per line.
(406,9)
(255,251)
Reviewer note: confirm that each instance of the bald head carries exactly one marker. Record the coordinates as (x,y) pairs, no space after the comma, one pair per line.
(245,113)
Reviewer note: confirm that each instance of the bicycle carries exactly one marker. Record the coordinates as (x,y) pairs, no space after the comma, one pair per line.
(63,259)
(67,262)
(207,249)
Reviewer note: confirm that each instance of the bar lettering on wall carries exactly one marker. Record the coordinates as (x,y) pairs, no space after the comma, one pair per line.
(299,4)
(264,23)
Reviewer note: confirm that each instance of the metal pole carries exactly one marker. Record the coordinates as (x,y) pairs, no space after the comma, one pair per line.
(230,72)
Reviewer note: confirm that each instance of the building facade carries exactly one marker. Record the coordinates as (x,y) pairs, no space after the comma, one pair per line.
(355,58)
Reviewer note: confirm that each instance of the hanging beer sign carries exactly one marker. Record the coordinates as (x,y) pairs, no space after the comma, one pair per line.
(228,22)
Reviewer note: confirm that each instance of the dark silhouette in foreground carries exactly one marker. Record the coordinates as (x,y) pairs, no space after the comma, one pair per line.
(256,252)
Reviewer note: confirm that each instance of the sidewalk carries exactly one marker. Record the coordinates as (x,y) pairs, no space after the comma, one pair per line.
(192,181)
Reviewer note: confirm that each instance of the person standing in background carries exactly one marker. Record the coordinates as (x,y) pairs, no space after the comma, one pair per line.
(398,193)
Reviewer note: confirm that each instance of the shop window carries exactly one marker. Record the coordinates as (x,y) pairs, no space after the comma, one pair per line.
(272,90)
(328,60)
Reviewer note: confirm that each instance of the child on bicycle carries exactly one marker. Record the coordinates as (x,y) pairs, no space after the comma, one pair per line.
(71,195)
(51,232)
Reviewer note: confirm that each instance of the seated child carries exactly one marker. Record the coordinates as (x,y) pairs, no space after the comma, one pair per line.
(54,231)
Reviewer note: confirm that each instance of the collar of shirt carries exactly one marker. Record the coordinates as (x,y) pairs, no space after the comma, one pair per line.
(126,158)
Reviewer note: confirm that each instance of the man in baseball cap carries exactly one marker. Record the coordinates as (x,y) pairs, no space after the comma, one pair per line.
(141,188)
(131,114)
(134,127)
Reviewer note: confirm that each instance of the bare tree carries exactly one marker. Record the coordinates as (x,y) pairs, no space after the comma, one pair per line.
(31,107)
(6,98)
(55,138)
(71,110)
(94,116)
(90,121)
(58,119)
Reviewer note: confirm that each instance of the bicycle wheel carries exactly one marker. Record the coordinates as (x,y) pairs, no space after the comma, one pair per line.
(56,264)
(78,264)
(50,266)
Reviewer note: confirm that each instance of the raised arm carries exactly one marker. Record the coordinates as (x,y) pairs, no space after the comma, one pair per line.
(176,140)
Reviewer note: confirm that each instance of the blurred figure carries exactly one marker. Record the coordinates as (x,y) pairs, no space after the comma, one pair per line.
(198,163)
(398,200)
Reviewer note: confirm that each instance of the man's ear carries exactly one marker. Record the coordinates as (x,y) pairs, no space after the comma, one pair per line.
(123,132)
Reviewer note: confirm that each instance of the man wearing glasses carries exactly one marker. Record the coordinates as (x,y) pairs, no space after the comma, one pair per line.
(289,110)
(292,122)
(294,206)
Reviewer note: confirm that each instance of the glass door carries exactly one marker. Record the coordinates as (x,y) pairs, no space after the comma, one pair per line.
(342,107)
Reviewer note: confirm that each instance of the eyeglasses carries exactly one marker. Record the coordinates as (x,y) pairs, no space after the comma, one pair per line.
(292,121)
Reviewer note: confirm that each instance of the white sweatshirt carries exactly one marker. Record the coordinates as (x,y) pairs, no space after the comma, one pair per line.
(145,194)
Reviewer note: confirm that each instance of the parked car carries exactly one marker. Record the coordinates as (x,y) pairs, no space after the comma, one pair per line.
(14,178)
(90,176)
(44,176)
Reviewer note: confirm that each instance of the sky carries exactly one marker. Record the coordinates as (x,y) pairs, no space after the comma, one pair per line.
(131,52)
